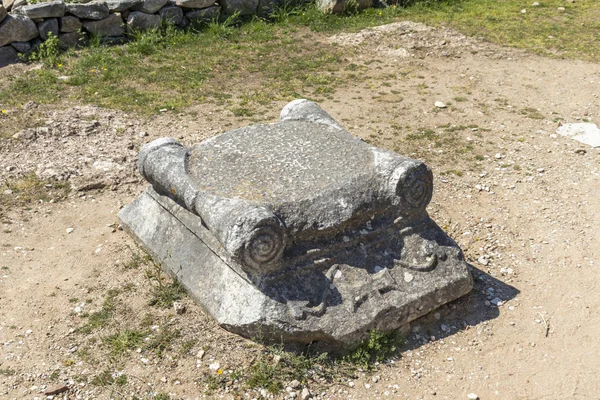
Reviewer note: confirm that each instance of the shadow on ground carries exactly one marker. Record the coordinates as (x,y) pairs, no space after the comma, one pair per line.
(482,304)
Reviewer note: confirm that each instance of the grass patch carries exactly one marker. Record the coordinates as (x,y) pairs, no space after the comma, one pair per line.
(165,291)
(100,318)
(7,372)
(122,341)
(30,189)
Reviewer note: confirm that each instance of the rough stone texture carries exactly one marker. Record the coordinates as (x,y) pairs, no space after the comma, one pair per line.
(244,7)
(194,3)
(338,6)
(122,5)
(92,10)
(70,24)
(48,26)
(8,55)
(150,6)
(174,15)
(140,21)
(297,230)
(111,26)
(7,4)
(17,28)
(21,47)
(204,15)
(68,40)
(583,132)
(114,40)
(50,9)
(3,13)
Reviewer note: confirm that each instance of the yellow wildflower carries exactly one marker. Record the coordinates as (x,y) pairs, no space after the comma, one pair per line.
(3,111)
(219,372)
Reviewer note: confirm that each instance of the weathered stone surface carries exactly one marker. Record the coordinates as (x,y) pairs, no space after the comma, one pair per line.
(7,4)
(122,5)
(112,40)
(338,6)
(3,13)
(21,47)
(150,6)
(17,28)
(48,26)
(297,230)
(94,10)
(140,21)
(244,7)
(68,40)
(204,15)
(194,3)
(111,26)
(8,55)
(173,15)
(50,9)
(70,24)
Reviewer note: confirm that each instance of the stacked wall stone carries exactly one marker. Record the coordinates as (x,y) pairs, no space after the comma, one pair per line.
(23,27)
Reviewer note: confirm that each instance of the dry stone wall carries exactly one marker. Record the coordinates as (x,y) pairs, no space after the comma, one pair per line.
(24,26)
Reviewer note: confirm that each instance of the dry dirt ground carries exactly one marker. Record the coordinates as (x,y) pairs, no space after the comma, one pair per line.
(522,202)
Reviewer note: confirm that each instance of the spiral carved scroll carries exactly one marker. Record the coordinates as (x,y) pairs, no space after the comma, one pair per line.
(264,247)
(416,187)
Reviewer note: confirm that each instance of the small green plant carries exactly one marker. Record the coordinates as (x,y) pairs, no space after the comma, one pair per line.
(7,371)
(48,52)
(162,341)
(379,347)
(100,318)
(163,293)
(124,340)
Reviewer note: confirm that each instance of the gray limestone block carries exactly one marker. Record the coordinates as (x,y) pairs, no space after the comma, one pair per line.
(139,21)
(8,55)
(297,230)
(204,15)
(21,47)
(70,24)
(339,6)
(17,28)
(171,14)
(93,10)
(50,9)
(194,3)
(3,13)
(47,27)
(243,7)
(150,6)
(111,26)
(68,40)
(122,5)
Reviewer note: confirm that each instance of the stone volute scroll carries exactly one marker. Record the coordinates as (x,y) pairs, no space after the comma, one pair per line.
(297,230)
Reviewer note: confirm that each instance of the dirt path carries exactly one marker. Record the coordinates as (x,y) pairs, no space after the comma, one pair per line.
(522,203)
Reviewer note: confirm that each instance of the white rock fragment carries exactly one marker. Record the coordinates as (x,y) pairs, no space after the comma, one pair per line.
(440,104)
(472,396)
(408,277)
(70,230)
(214,366)
(586,133)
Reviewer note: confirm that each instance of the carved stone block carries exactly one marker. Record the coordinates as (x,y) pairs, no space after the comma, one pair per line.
(297,231)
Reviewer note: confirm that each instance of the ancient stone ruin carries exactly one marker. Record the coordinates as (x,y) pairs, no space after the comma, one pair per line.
(297,231)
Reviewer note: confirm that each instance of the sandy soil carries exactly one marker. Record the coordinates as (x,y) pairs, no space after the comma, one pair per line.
(521,201)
